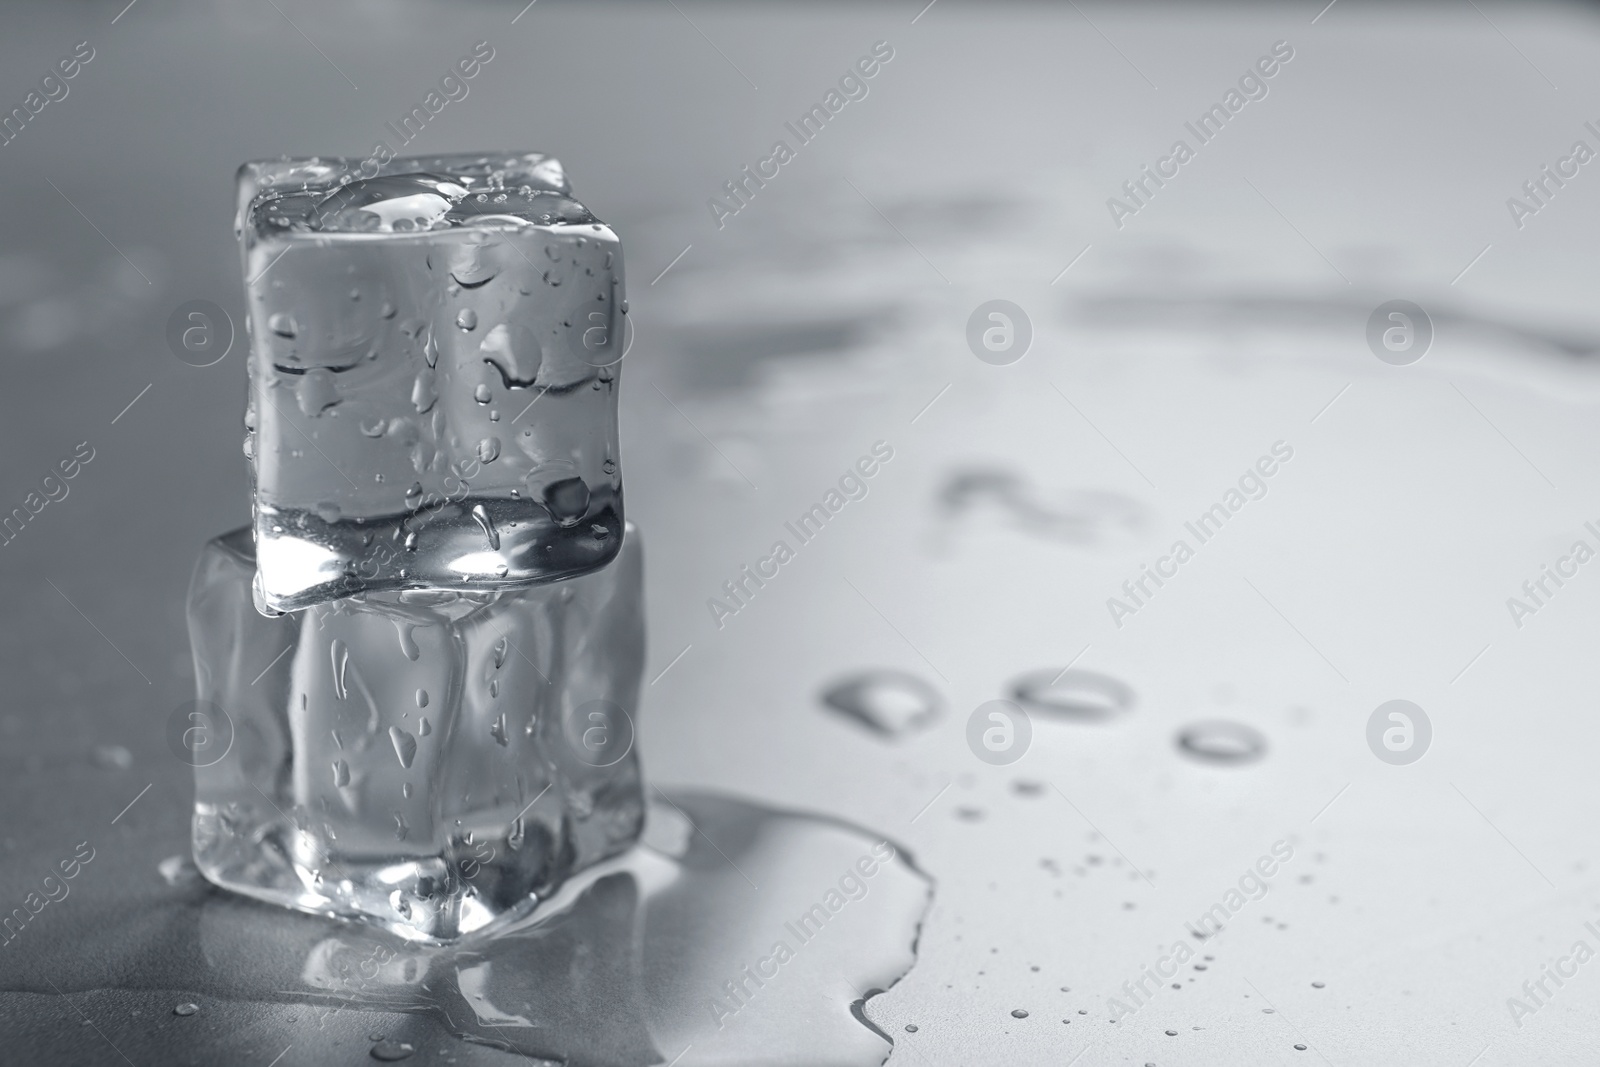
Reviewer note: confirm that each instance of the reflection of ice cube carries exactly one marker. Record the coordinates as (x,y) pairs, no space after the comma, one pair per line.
(424,760)
(433,373)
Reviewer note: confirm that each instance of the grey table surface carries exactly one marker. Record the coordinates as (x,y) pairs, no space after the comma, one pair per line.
(776,345)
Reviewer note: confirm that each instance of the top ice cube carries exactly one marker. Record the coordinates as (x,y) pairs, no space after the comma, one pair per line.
(434,350)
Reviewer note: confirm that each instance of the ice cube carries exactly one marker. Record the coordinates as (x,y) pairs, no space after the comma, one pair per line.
(428,761)
(434,356)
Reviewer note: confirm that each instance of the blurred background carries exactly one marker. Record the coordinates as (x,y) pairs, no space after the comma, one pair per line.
(1177,332)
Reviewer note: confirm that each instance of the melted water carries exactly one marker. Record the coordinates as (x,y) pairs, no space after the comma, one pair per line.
(735,935)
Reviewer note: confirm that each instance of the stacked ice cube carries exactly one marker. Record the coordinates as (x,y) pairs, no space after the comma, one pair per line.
(429,645)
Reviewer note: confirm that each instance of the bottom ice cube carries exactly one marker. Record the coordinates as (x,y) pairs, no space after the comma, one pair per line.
(428,761)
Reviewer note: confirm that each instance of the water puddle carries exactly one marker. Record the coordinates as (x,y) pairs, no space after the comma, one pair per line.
(735,934)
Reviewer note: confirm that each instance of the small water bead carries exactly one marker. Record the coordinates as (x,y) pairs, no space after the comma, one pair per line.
(1018,1013)
(489,450)
(422,699)
(467,319)
(1221,741)
(1299,1048)
(112,757)
(388,310)
(1319,985)
(283,324)
(482,394)
(405,790)
(341,773)
(186,1009)
(888,702)
(424,727)
(1172,1033)
(911,1028)
(1070,693)
(392,1051)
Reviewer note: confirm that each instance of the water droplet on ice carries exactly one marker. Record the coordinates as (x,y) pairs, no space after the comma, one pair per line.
(405,746)
(489,449)
(408,643)
(341,660)
(481,515)
(423,393)
(186,1009)
(341,773)
(498,730)
(316,392)
(283,324)
(467,319)
(422,702)
(482,394)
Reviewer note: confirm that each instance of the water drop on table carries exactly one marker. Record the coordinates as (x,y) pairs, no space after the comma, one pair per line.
(186,1009)
(177,870)
(392,1051)
(1075,694)
(888,702)
(408,643)
(1222,741)
(112,757)
(1018,1013)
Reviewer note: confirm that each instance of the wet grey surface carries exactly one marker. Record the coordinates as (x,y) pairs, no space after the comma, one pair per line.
(830,314)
